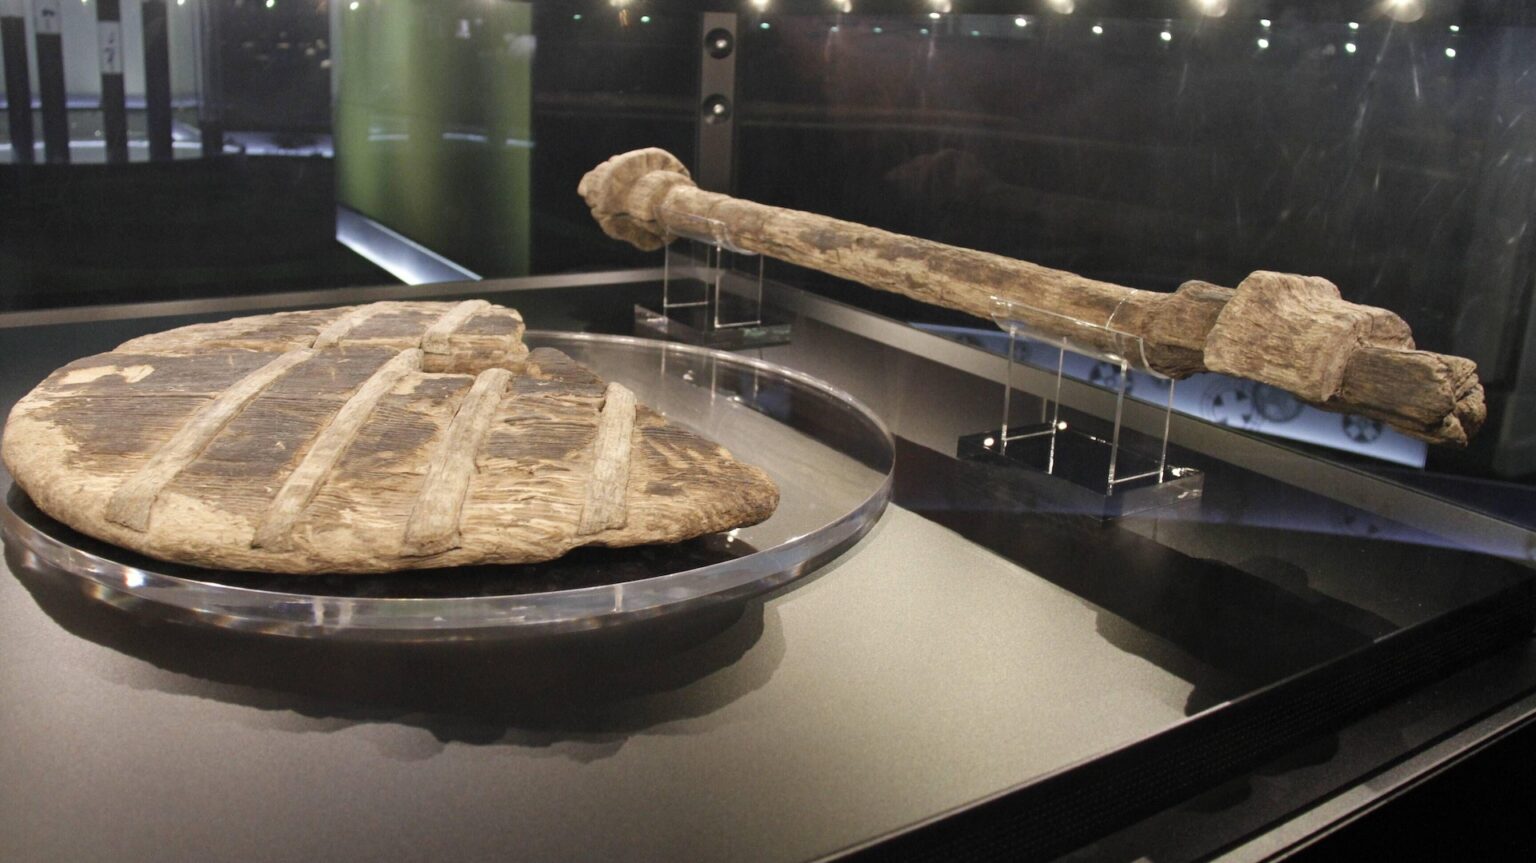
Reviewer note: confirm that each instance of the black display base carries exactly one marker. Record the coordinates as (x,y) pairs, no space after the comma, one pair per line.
(1076,480)
(694,325)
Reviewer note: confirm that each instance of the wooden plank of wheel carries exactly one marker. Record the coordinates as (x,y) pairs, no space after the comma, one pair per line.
(364,439)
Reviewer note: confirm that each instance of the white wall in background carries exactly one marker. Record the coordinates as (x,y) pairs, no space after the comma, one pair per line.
(82,70)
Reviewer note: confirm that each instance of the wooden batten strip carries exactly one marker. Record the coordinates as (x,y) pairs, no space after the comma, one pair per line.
(130,505)
(433,525)
(605,506)
(275,533)
(336,330)
(435,339)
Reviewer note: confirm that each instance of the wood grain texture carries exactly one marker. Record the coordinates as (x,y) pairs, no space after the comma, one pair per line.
(491,335)
(1286,331)
(605,506)
(331,334)
(131,504)
(276,528)
(505,436)
(435,339)
(433,525)
(1294,332)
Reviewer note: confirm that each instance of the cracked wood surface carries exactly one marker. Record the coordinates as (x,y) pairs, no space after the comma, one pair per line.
(1292,332)
(131,503)
(605,505)
(433,526)
(256,450)
(275,531)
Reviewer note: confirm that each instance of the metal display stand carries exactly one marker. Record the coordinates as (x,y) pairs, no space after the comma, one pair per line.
(1106,475)
(711,293)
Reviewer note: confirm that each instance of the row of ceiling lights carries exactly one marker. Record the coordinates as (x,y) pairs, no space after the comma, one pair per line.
(1098,30)
(1399,10)
(1166,35)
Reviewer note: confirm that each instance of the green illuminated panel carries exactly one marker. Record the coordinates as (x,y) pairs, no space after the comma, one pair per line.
(433,124)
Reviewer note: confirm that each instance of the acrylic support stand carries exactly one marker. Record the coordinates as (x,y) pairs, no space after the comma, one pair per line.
(1106,475)
(711,292)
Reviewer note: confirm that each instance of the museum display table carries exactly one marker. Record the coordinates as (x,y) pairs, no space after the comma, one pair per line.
(973,643)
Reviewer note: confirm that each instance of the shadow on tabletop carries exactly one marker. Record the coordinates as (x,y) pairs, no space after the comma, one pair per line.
(1226,630)
(581,695)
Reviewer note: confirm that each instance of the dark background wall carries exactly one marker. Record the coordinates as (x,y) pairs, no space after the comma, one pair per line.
(1393,157)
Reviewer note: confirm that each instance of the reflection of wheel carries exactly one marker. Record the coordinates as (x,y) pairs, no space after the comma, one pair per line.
(1275,405)
(1360,524)
(988,343)
(1360,429)
(1107,375)
(1229,402)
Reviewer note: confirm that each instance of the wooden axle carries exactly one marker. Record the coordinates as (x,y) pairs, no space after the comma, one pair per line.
(1288,331)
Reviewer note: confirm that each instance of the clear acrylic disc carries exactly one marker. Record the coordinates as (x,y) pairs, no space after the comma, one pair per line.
(830,456)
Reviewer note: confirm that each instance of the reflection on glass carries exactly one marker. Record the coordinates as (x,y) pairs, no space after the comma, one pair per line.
(434,126)
(1152,150)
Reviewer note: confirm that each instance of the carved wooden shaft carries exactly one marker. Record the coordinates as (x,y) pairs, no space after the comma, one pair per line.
(1292,332)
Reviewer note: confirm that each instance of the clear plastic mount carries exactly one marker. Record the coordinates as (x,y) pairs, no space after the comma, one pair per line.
(711,292)
(1109,465)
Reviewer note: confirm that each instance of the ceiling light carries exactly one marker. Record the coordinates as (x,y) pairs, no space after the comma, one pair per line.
(1405,11)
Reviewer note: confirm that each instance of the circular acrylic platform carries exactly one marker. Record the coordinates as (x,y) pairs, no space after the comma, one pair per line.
(830,456)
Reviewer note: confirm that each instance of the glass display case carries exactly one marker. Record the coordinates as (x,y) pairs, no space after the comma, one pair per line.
(923,655)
